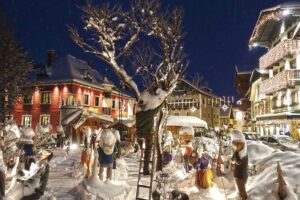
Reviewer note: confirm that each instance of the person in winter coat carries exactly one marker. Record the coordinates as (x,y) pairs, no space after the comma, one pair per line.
(240,162)
(145,131)
(107,149)
(28,146)
(204,174)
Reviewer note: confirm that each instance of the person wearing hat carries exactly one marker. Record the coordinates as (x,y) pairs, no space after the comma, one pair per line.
(28,146)
(204,176)
(107,149)
(240,162)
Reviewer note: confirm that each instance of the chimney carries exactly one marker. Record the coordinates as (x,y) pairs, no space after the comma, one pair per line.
(51,57)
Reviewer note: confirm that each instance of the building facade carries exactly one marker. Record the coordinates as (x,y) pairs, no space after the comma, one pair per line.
(69,89)
(189,100)
(276,98)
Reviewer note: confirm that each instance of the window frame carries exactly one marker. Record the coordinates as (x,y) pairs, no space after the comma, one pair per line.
(22,120)
(95,101)
(88,99)
(50,97)
(31,100)
(44,115)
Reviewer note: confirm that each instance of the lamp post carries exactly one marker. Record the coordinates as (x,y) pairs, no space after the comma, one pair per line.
(121,106)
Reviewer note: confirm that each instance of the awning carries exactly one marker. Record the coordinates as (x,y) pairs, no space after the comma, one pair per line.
(126,122)
(71,117)
(88,115)
(185,121)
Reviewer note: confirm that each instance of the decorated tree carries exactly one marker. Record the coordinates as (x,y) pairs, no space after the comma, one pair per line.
(144,36)
(14,68)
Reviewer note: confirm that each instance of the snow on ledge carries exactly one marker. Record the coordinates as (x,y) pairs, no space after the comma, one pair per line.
(185,121)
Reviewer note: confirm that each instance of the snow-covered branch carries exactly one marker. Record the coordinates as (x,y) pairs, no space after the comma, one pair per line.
(116,34)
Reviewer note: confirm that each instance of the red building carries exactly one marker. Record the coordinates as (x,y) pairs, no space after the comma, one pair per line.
(71,92)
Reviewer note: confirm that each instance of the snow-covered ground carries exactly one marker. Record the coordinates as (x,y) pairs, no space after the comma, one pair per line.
(66,178)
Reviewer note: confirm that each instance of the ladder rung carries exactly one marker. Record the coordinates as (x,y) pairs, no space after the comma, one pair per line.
(142,160)
(144,186)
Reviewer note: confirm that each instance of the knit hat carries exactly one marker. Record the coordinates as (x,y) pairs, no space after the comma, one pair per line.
(27,135)
(107,141)
(186,130)
(237,136)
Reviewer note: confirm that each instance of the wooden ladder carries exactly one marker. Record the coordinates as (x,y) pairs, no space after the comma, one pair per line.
(152,171)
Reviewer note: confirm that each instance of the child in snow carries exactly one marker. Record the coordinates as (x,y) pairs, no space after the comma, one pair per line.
(204,175)
(106,151)
(240,162)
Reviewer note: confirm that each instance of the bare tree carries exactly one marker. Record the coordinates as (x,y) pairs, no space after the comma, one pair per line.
(150,37)
(198,80)
(114,33)
(14,69)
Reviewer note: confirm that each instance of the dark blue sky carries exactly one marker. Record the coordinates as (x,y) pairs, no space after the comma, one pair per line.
(217,33)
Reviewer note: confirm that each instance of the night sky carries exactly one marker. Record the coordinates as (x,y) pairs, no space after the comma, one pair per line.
(217,36)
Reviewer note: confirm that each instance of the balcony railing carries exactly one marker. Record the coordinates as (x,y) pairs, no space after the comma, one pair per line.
(278,52)
(70,104)
(282,80)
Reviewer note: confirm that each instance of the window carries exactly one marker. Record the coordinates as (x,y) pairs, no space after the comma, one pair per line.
(27,99)
(113,104)
(97,100)
(46,98)
(86,99)
(26,120)
(106,111)
(107,94)
(70,100)
(176,114)
(44,119)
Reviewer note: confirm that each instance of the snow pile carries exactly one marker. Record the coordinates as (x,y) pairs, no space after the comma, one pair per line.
(258,151)
(151,101)
(185,121)
(264,184)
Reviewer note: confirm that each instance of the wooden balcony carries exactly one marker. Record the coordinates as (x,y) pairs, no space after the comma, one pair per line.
(277,53)
(282,80)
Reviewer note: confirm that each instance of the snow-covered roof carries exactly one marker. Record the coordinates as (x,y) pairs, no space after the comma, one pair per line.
(185,121)
(71,117)
(68,68)
(126,122)
(88,115)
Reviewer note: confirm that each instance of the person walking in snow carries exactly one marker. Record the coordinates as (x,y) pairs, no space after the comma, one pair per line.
(107,149)
(240,162)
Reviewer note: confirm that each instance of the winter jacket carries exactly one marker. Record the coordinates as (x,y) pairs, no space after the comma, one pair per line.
(240,166)
(28,149)
(203,163)
(106,159)
(145,121)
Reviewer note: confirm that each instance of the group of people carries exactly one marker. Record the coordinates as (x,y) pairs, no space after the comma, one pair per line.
(202,161)
(18,152)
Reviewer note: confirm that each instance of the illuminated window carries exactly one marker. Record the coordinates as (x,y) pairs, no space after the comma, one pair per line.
(44,120)
(106,111)
(26,120)
(86,99)
(45,97)
(70,99)
(97,101)
(27,99)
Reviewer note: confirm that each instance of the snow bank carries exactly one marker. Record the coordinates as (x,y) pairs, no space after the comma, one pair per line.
(258,151)
(264,184)
(185,121)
